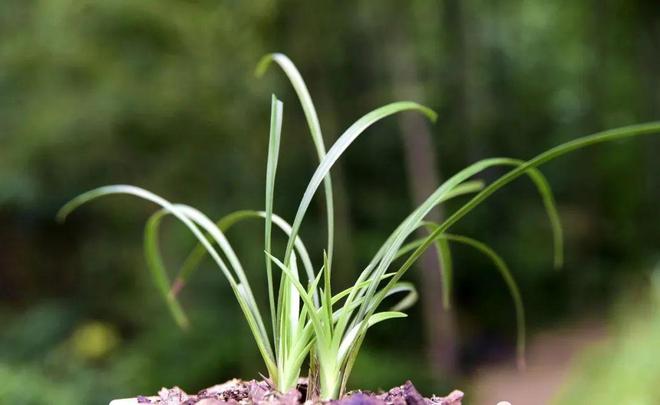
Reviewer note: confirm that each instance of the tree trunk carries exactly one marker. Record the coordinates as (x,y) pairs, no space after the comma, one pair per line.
(423,179)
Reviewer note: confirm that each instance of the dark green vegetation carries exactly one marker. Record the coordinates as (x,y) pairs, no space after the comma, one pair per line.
(161,95)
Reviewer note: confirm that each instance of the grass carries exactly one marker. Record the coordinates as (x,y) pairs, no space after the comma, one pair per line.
(307,319)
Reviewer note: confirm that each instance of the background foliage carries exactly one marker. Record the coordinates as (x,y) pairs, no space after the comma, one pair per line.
(162,94)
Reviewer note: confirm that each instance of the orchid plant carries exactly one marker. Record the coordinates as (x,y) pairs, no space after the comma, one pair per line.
(306,319)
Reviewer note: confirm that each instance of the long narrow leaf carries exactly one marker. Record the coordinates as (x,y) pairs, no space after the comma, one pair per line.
(600,137)
(321,333)
(338,149)
(388,252)
(610,135)
(505,272)
(157,269)
(349,339)
(271,171)
(224,224)
(255,325)
(393,245)
(311,116)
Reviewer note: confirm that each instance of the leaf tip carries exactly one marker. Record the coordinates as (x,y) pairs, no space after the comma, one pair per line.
(428,112)
(432,115)
(60,217)
(263,64)
(63,213)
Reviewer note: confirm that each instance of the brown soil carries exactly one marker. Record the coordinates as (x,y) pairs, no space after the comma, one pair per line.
(262,393)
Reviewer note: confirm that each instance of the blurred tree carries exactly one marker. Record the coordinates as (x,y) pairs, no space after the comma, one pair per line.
(423,179)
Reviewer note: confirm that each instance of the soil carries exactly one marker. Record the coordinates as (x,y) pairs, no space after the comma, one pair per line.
(240,392)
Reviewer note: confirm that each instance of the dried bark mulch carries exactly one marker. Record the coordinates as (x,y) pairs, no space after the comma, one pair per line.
(238,392)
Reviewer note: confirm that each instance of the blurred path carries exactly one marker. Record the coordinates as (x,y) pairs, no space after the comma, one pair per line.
(549,359)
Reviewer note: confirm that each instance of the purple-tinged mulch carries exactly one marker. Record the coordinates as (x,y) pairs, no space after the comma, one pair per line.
(238,392)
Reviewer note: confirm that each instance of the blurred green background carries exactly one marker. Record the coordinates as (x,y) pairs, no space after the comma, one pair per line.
(162,94)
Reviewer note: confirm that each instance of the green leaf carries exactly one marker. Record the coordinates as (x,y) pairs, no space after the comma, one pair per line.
(390,249)
(339,148)
(271,171)
(224,224)
(157,269)
(504,271)
(311,116)
(356,334)
(605,136)
(194,220)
